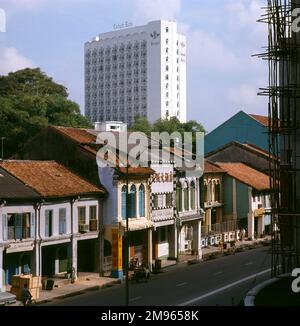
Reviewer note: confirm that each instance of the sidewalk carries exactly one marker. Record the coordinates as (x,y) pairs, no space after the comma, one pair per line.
(212,252)
(89,284)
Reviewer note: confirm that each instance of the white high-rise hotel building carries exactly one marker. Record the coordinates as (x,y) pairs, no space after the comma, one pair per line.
(136,71)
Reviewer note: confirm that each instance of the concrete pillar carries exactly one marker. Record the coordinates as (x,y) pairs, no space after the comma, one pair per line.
(260,226)
(250,215)
(150,248)
(117,254)
(197,238)
(74,252)
(2,283)
(250,226)
(36,260)
(173,241)
(56,262)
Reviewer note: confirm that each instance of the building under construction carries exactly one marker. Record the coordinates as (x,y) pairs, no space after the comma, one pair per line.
(283,57)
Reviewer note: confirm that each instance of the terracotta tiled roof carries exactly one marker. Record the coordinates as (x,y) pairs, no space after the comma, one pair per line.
(247,175)
(12,188)
(50,179)
(87,139)
(210,167)
(82,136)
(264,120)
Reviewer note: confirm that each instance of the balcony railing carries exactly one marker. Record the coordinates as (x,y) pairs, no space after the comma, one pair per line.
(220,227)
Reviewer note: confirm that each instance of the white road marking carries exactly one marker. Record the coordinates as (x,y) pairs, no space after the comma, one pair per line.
(245,279)
(218,273)
(181,284)
(250,263)
(135,299)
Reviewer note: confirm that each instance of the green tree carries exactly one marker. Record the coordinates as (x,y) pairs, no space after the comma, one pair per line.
(141,124)
(168,125)
(30,101)
(193,126)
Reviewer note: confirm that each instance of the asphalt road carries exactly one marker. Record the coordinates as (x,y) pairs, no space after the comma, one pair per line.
(223,282)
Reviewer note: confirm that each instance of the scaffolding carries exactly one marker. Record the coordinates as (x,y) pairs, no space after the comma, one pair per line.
(283,57)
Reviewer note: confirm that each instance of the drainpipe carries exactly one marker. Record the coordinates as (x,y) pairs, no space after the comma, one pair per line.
(38,237)
(74,276)
(101,235)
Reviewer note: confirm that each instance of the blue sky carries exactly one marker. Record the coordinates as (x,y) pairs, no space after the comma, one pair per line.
(223,77)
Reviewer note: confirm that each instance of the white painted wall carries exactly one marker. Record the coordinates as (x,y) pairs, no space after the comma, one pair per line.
(110,208)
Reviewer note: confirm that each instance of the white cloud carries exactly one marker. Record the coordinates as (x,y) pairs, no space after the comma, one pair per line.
(243,16)
(206,50)
(156,9)
(245,97)
(11,60)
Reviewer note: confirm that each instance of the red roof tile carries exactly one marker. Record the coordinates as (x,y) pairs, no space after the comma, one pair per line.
(247,175)
(210,167)
(80,135)
(50,179)
(264,120)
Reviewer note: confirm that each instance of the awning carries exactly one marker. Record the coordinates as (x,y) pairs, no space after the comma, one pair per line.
(136,224)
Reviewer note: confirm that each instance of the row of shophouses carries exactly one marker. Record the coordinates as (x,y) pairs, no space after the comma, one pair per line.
(61,211)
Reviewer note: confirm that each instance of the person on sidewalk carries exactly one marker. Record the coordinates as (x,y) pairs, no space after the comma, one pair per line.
(25,295)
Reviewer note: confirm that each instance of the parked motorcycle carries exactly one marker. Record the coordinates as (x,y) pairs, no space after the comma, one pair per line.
(141,273)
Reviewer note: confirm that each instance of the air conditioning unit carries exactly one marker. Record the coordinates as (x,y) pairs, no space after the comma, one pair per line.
(84,228)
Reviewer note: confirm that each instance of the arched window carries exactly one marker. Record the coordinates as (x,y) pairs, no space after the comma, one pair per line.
(142,201)
(123,204)
(217,192)
(205,192)
(132,198)
(179,197)
(192,194)
(186,196)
